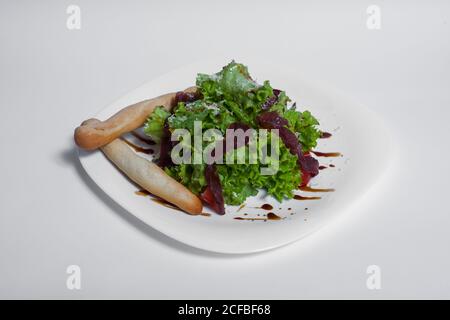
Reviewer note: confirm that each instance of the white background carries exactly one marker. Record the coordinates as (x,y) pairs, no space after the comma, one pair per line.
(52,215)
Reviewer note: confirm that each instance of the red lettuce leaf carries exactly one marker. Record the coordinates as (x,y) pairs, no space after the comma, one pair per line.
(215,188)
(272,120)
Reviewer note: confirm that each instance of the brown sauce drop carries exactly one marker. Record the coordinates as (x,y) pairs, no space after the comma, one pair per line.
(270,216)
(326,154)
(163,202)
(137,148)
(142,192)
(309,189)
(251,219)
(325,135)
(332,165)
(205,214)
(273,216)
(322,167)
(141,138)
(266,206)
(299,197)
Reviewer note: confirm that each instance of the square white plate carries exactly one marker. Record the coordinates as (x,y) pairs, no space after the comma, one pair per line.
(357,133)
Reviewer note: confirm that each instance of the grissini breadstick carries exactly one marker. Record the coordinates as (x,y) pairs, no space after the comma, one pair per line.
(151,177)
(92,135)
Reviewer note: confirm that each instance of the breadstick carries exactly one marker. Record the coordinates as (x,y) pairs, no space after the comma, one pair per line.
(92,135)
(151,177)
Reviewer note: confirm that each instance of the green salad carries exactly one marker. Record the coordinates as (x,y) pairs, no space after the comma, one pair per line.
(232,99)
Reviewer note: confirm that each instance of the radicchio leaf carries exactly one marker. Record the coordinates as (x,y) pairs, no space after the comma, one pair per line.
(272,120)
(182,96)
(215,188)
(269,102)
(165,150)
(276,92)
(309,165)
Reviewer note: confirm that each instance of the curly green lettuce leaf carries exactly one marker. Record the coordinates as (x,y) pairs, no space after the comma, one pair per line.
(190,175)
(305,125)
(233,80)
(212,115)
(281,105)
(236,90)
(240,181)
(155,123)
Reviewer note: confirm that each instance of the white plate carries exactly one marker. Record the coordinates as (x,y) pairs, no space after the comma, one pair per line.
(357,134)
